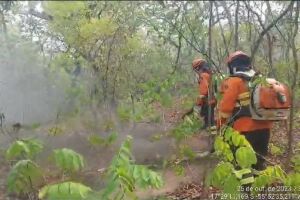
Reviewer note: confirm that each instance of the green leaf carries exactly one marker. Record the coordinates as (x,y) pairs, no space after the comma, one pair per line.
(269,175)
(275,150)
(239,174)
(231,185)
(245,157)
(293,180)
(262,180)
(96,140)
(219,144)
(65,191)
(27,148)
(247,180)
(236,140)
(126,176)
(112,138)
(68,160)
(24,177)
(221,173)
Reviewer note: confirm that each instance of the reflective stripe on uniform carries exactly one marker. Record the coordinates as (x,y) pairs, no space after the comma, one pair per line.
(243,99)
(243,103)
(245,95)
(224,115)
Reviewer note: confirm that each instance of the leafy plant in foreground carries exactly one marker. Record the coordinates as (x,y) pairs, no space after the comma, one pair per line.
(65,191)
(187,128)
(25,148)
(124,176)
(237,160)
(68,160)
(24,177)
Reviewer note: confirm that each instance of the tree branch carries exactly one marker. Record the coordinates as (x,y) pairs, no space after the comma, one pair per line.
(271,25)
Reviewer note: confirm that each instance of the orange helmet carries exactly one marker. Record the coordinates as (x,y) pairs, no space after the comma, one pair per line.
(198,63)
(238,61)
(235,55)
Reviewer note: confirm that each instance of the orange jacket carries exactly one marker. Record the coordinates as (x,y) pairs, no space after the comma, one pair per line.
(204,80)
(231,88)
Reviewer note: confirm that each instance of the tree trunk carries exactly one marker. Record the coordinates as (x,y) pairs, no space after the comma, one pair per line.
(236,27)
(209,28)
(222,30)
(294,82)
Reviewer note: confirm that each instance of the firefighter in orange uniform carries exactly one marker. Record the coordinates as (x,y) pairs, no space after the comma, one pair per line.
(206,99)
(234,106)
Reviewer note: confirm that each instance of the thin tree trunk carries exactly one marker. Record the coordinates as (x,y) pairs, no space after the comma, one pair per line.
(209,28)
(209,55)
(3,24)
(178,53)
(294,82)
(222,31)
(250,26)
(236,27)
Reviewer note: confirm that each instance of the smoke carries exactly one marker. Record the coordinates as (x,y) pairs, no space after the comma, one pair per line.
(27,94)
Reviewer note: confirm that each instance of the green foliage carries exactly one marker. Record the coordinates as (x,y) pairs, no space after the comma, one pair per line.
(26,148)
(155,90)
(225,175)
(245,157)
(275,150)
(296,162)
(65,191)
(97,140)
(136,112)
(231,185)
(223,148)
(146,178)
(293,180)
(24,177)
(124,175)
(270,175)
(56,130)
(231,140)
(178,169)
(221,173)
(68,160)
(186,151)
(188,127)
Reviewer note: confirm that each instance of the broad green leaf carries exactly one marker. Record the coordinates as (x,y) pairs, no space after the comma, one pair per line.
(221,173)
(68,160)
(65,191)
(239,173)
(219,144)
(293,180)
(24,177)
(245,157)
(231,185)
(24,148)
